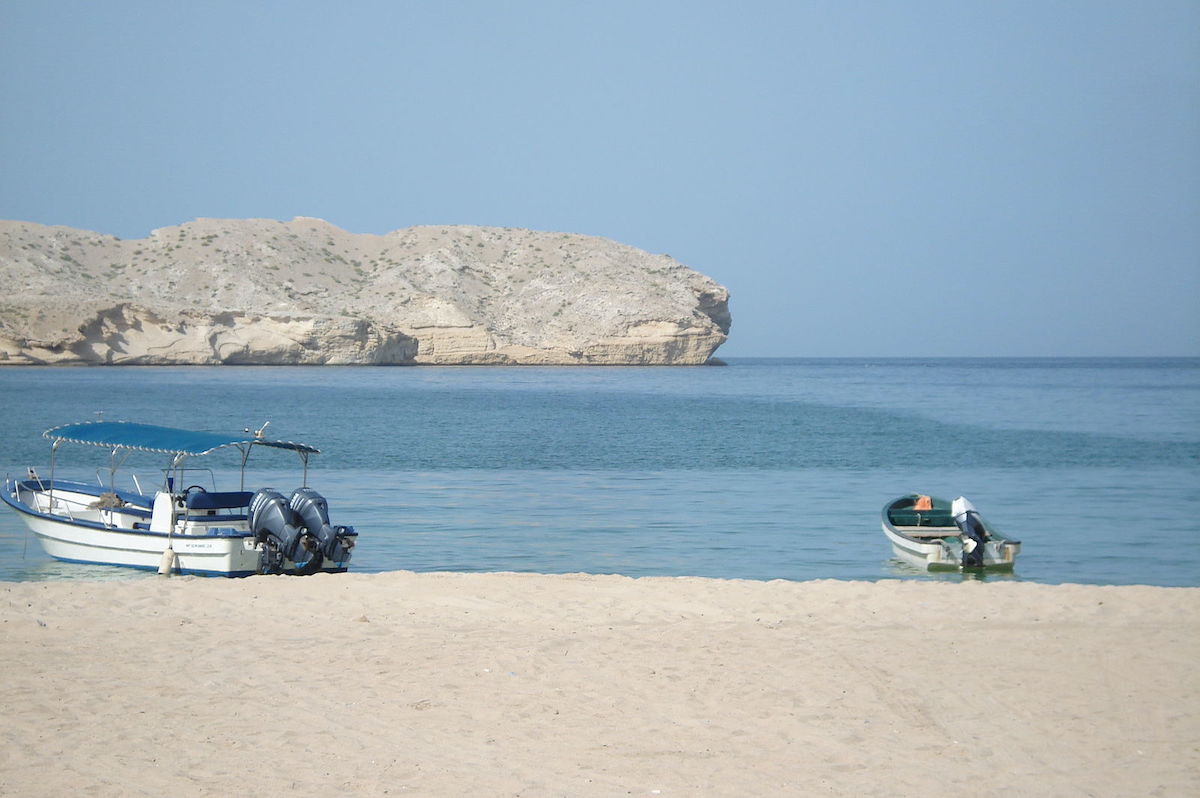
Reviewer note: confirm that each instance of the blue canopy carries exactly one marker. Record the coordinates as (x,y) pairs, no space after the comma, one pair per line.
(168,440)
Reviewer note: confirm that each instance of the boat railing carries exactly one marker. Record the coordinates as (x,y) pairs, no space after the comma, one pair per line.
(34,476)
(53,500)
(112,484)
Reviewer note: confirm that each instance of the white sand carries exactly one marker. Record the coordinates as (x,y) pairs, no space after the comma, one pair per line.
(505,684)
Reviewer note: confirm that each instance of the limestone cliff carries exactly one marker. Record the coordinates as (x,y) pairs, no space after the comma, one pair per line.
(246,291)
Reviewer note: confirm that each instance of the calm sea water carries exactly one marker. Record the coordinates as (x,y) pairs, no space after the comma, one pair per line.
(765,469)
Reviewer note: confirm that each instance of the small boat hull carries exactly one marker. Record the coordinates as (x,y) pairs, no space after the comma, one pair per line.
(930,539)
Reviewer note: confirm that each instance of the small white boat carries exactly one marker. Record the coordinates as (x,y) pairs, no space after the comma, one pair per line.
(938,535)
(180,527)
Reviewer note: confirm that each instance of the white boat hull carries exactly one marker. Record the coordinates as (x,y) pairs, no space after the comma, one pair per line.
(71,528)
(221,556)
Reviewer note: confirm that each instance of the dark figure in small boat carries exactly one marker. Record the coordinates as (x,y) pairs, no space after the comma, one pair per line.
(973,533)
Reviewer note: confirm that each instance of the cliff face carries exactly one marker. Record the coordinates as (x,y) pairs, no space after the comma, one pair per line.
(258,291)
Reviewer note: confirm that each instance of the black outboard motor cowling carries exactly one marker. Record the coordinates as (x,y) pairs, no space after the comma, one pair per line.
(312,512)
(274,526)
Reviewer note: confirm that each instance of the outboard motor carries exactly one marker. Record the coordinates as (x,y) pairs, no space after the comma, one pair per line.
(275,527)
(971,530)
(312,512)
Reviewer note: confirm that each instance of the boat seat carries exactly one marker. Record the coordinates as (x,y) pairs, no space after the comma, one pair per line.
(228,500)
(209,503)
(918,518)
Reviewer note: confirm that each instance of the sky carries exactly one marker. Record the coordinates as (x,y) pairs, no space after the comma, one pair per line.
(869,179)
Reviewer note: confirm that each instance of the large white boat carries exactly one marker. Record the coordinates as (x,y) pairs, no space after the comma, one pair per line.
(938,535)
(179,527)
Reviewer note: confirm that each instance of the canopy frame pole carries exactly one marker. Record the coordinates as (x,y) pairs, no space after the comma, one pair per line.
(53,460)
(245,450)
(174,471)
(113,465)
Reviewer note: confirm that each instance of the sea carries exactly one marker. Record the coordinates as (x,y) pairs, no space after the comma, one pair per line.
(760,469)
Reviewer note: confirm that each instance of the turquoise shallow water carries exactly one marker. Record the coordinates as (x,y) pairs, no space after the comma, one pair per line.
(763,469)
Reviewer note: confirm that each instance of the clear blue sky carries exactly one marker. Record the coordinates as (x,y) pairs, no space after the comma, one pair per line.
(909,178)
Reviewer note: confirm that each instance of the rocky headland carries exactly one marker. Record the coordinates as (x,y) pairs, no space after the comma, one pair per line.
(258,291)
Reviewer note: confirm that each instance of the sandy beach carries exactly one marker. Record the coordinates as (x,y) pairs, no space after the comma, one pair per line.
(576,685)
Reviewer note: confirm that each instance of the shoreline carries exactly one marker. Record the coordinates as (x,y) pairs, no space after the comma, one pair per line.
(441,684)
